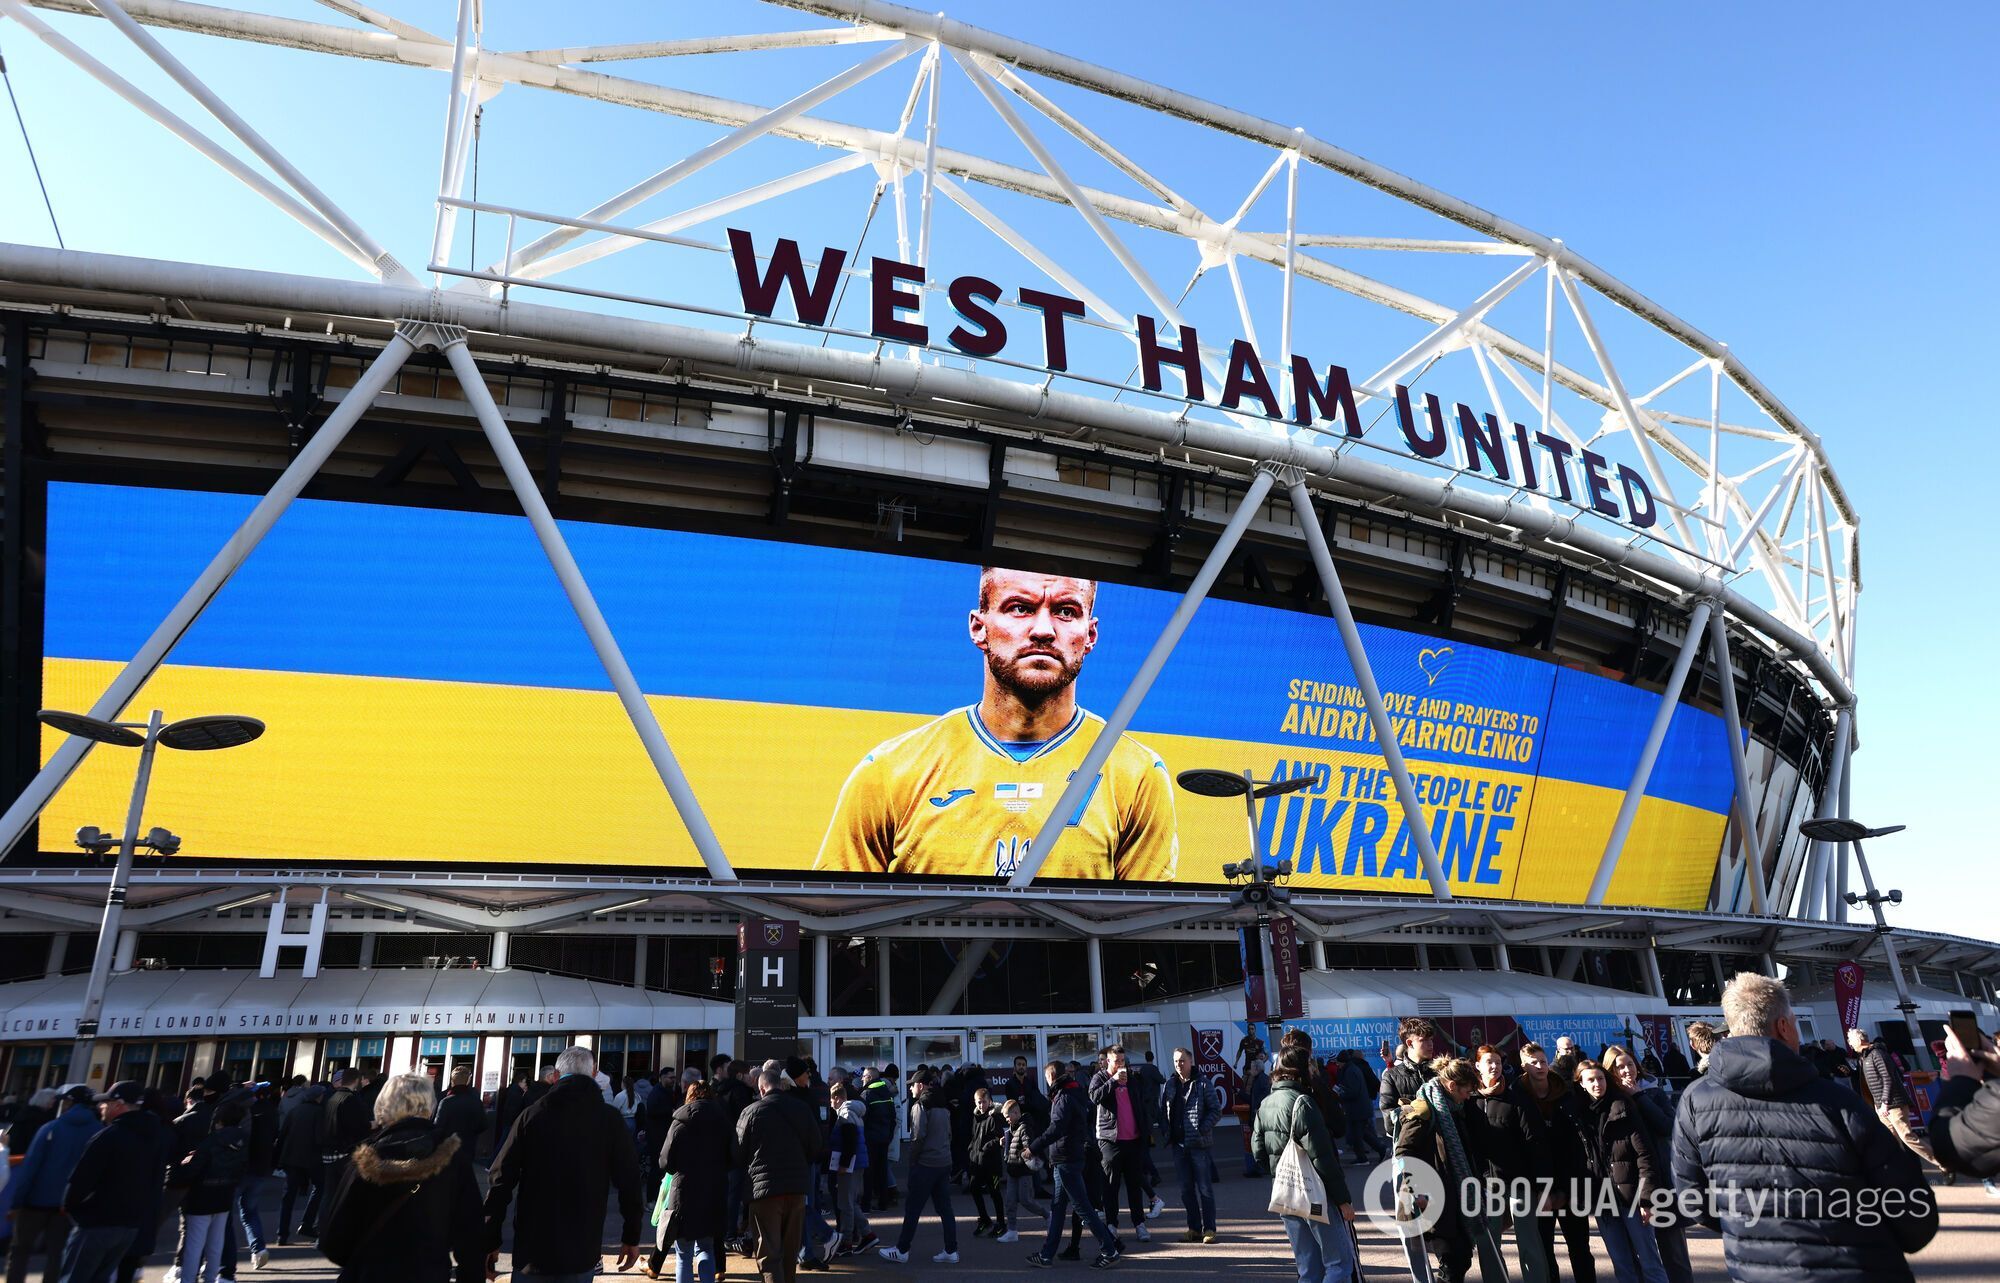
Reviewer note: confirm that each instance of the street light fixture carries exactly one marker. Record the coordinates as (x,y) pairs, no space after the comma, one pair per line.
(1258,885)
(191,734)
(1849,832)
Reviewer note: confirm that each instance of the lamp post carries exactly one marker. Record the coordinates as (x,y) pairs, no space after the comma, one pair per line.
(1838,829)
(195,734)
(1258,888)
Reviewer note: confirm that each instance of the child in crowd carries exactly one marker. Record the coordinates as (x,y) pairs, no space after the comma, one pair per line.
(983,1164)
(1019,1177)
(848,1161)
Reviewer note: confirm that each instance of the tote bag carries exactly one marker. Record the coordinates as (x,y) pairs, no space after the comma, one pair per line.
(1296,1189)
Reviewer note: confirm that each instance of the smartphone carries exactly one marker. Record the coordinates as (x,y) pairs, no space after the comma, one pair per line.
(1966,1026)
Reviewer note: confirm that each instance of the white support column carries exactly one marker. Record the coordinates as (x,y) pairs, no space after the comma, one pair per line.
(1319,956)
(1839,905)
(1750,840)
(1371,692)
(1656,983)
(367,960)
(884,992)
(1502,960)
(497,960)
(128,948)
(70,753)
(970,957)
(1812,896)
(822,976)
(1423,956)
(1721,976)
(1093,950)
(480,398)
(58,951)
(1085,779)
(640,951)
(1649,753)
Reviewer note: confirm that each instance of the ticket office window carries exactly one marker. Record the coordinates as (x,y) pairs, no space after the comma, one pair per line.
(252,1060)
(534,1056)
(438,1056)
(24,1071)
(625,1056)
(162,1065)
(365,1054)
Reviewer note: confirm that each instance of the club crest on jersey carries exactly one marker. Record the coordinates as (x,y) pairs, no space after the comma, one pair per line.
(1008,854)
(1015,797)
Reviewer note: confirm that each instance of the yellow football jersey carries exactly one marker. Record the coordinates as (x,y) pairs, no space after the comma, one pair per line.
(948,798)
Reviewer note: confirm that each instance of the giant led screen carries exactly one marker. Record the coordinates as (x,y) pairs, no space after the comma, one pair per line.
(432,698)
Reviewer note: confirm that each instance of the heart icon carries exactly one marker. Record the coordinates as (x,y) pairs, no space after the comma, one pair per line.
(1432,660)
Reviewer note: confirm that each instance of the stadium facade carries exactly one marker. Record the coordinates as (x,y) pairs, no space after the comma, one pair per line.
(1564,687)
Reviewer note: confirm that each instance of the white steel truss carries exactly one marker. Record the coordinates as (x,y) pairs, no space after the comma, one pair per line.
(1754,527)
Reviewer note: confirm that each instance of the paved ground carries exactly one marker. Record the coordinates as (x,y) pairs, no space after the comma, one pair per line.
(1253,1246)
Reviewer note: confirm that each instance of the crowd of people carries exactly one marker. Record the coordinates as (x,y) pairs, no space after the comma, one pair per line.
(773,1162)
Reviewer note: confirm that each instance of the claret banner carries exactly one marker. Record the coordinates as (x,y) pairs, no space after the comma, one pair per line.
(432,698)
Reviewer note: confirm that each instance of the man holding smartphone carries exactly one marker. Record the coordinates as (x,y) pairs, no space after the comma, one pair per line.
(1965,1125)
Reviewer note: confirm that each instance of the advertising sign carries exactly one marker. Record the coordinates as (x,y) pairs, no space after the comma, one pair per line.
(1847,979)
(1250,954)
(431,698)
(767,992)
(1285,962)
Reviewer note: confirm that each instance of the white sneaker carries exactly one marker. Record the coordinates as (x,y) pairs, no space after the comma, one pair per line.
(946,1258)
(895,1256)
(1145,1236)
(1159,1208)
(1009,1237)
(259,1259)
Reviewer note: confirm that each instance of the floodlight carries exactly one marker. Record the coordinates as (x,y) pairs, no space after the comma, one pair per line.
(1275,787)
(161,841)
(95,840)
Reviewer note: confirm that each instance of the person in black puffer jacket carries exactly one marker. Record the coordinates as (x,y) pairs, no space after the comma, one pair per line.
(1656,1114)
(299,1158)
(210,1175)
(1625,1174)
(1417,1044)
(1064,1146)
(1507,1134)
(982,1159)
(1762,1120)
(406,1209)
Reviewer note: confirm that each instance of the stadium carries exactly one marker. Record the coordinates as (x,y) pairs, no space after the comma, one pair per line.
(937,454)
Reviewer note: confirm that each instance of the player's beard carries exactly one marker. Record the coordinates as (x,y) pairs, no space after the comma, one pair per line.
(1033,688)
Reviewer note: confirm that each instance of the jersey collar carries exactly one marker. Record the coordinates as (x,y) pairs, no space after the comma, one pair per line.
(1054,741)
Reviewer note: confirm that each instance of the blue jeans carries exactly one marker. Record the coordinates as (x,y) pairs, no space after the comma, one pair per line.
(90,1255)
(694,1260)
(202,1237)
(815,1223)
(1197,1191)
(927,1185)
(1635,1256)
(1325,1253)
(247,1213)
(1068,1180)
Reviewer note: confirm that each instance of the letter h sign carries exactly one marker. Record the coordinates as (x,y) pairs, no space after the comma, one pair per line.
(767,989)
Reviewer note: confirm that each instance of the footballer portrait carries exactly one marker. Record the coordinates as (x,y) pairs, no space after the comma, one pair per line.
(965,794)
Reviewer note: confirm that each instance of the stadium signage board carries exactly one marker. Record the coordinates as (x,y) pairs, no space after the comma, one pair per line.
(1538,461)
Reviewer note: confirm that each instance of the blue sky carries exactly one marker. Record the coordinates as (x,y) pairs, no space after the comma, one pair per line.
(1814,186)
